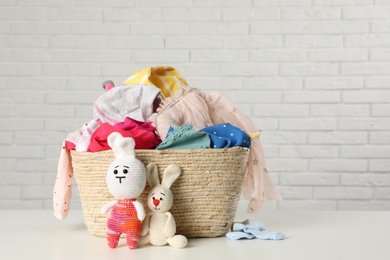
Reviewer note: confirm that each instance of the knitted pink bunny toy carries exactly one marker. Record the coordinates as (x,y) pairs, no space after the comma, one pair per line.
(159,226)
(126,180)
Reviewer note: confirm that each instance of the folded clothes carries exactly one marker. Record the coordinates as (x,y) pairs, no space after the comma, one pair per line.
(184,137)
(144,139)
(135,101)
(226,135)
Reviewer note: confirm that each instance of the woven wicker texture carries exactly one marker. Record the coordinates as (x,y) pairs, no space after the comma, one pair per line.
(205,195)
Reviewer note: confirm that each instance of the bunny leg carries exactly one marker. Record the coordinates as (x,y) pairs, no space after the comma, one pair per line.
(178,241)
(132,239)
(113,238)
(144,240)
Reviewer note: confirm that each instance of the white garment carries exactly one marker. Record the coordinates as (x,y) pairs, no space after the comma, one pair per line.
(135,101)
(85,139)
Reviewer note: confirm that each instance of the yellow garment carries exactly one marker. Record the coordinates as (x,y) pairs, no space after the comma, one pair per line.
(165,78)
(254,135)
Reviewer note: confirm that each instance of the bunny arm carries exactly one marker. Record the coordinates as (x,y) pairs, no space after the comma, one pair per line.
(108,206)
(170,225)
(145,225)
(140,210)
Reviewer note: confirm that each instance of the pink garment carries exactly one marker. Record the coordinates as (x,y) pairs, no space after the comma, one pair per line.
(189,105)
(62,188)
(186,106)
(144,139)
(132,124)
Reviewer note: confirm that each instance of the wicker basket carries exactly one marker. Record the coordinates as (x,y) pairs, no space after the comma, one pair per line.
(205,195)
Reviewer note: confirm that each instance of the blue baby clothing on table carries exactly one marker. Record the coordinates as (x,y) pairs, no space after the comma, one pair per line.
(251,230)
(226,135)
(184,137)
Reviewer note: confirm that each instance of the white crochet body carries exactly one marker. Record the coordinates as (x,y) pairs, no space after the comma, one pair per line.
(159,226)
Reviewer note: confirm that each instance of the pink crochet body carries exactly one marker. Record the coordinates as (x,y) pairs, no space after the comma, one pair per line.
(123,219)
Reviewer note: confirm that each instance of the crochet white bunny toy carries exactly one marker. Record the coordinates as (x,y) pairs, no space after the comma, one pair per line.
(159,226)
(126,180)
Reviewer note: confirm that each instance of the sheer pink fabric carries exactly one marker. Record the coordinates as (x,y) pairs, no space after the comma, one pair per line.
(200,109)
(186,106)
(258,185)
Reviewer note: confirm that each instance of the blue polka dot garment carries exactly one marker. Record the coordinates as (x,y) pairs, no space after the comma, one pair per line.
(226,135)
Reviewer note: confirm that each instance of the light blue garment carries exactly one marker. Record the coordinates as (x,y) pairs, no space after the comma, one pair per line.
(184,137)
(236,235)
(250,230)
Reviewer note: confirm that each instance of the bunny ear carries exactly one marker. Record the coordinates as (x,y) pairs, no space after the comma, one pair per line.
(122,147)
(127,148)
(113,139)
(171,173)
(152,174)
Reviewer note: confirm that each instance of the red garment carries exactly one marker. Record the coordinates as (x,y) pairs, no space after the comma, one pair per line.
(132,124)
(143,139)
(69,145)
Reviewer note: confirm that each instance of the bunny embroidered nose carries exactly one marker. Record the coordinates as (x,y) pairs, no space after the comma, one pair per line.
(156,202)
(120,178)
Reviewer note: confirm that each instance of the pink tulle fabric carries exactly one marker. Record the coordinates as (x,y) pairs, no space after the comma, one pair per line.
(201,109)
(186,106)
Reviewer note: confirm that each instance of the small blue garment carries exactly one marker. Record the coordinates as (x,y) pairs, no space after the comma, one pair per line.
(250,230)
(226,135)
(170,130)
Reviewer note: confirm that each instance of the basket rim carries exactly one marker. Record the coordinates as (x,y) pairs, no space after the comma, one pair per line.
(212,150)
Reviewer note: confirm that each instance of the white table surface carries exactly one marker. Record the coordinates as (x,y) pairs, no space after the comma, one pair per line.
(310,235)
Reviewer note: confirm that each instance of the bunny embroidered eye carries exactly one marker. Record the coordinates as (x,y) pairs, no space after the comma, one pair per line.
(125,171)
(115,171)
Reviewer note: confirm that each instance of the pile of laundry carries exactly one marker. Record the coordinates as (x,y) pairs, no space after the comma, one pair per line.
(159,110)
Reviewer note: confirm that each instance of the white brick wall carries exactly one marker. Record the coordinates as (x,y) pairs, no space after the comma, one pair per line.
(314,75)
